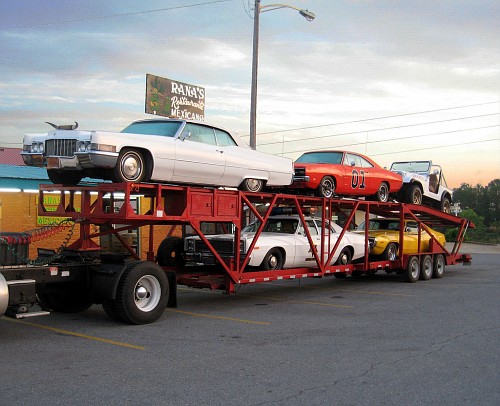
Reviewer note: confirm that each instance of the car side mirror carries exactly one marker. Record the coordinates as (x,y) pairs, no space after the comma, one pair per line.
(353,163)
(185,136)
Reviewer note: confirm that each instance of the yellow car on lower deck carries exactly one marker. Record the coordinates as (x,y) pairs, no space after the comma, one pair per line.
(383,236)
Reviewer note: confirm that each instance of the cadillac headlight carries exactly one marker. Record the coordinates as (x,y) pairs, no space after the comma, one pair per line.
(36,148)
(83,146)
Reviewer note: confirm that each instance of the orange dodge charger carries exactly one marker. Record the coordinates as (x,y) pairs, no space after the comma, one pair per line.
(330,173)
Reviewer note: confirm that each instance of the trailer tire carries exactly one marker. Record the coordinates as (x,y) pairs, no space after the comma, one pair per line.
(273,261)
(142,293)
(426,268)
(412,271)
(66,300)
(439,266)
(109,307)
(344,257)
(170,252)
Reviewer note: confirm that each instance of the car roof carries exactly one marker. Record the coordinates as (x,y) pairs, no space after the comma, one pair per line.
(236,137)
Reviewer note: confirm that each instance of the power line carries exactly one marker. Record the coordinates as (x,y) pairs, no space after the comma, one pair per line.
(375,118)
(380,129)
(119,15)
(440,146)
(393,139)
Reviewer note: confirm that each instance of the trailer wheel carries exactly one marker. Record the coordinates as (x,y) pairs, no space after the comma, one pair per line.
(142,293)
(170,252)
(412,271)
(66,300)
(439,266)
(426,268)
(273,261)
(344,257)
(391,252)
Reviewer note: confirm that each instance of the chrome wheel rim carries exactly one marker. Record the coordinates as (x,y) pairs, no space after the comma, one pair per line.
(147,293)
(131,166)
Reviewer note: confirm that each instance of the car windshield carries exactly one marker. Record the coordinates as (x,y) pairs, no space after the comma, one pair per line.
(326,157)
(164,128)
(381,225)
(411,166)
(284,226)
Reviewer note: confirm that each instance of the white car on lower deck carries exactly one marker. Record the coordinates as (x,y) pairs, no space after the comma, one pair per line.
(282,244)
(163,150)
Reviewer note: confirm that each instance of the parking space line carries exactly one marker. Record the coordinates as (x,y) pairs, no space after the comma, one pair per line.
(80,335)
(264,323)
(276,299)
(368,292)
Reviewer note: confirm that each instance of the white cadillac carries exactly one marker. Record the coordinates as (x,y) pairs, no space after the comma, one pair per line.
(163,150)
(282,244)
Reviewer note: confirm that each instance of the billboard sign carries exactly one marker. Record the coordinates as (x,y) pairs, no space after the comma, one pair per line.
(169,98)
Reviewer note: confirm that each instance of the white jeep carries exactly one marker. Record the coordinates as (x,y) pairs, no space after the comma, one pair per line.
(423,183)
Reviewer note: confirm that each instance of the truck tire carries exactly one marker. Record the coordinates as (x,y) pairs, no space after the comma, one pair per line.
(170,252)
(66,299)
(426,268)
(414,194)
(142,293)
(412,271)
(439,266)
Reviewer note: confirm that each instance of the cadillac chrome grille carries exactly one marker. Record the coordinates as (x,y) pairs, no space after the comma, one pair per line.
(60,147)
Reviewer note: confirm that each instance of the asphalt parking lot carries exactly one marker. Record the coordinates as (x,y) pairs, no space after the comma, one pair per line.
(367,341)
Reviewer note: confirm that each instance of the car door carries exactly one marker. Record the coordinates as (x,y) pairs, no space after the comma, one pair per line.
(198,157)
(304,256)
(359,175)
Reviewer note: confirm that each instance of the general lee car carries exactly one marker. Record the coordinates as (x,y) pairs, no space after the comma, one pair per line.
(383,237)
(164,150)
(282,244)
(330,173)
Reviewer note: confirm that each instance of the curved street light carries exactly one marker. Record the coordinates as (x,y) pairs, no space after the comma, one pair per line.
(308,15)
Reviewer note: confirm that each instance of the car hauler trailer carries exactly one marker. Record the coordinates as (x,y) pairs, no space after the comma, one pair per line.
(137,291)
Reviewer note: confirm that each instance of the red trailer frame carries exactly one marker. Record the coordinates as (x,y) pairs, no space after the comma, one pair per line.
(193,206)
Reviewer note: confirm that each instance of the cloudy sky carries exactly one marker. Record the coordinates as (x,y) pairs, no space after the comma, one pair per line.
(397,80)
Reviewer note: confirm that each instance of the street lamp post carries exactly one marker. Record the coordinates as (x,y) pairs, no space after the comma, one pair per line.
(309,16)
